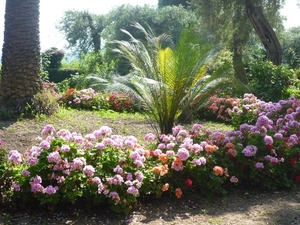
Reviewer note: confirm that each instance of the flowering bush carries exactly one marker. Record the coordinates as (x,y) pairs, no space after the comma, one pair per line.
(104,167)
(52,88)
(84,99)
(120,102)
(218,108)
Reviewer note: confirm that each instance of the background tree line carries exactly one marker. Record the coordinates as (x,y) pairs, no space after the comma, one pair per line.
(245,32)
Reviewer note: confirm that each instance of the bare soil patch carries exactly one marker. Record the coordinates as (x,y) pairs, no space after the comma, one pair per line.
(242,205)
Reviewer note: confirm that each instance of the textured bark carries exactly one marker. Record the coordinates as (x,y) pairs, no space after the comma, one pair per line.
(21,50)
(238,64)
(265,32)
(95,34)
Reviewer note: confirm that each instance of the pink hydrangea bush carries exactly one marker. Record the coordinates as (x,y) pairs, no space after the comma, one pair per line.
(102,167)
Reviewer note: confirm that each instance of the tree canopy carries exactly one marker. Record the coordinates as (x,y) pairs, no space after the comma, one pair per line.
(229,21)
(82,30)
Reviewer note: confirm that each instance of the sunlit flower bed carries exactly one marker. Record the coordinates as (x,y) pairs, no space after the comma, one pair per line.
(103,167)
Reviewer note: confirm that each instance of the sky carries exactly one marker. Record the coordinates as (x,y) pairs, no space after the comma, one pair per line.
(52,10)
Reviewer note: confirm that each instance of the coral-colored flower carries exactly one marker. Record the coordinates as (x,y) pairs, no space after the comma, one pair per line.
(232,152)
(163,158)
(289,110)
(161,170)
(189,182)
(233,179)
(165,187)
(178,192)
(218,171)
(211,148)
(226,172)
(229,145)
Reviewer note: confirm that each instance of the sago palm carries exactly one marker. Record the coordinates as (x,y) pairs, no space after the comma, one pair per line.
(166,78)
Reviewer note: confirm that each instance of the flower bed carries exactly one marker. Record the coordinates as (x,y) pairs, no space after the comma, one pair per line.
(103,167)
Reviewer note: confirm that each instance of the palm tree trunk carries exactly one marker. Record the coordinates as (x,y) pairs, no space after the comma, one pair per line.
(21,50)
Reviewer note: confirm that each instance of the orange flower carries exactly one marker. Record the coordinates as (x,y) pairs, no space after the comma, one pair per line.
(165,187)
(161,170)
(147,153)
(177,162)
(211,148)
(156,169)
(163,158)
(218,170)
(178,192)
(164,170)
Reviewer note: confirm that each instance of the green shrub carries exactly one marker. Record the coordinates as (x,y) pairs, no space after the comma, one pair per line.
(269,82)
(54,56)
(58,75)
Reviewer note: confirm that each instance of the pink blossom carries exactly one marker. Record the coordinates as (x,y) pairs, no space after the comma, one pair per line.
(183,154)
(32,160)
(259,165)
(139,176)
(103,132)
(89,170)
(129,176)
(149,137)
(45,144)
(132,190)
(50,190)
(97,180)
(54,157)
(65,148)
(90,137)
(77,163)
(233,179)
(170,153)
(170,145)
(15,157)
(268,140)
(118,169)
(48,129)
(25,173)
(16,187)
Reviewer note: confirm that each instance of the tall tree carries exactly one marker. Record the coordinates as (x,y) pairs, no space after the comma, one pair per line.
(21,51)
(162,3)
(82,30)
(229,21)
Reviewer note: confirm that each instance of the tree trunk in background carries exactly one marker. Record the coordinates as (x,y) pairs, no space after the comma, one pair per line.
(238,64)
(21,50)
(265,32)
(95,33)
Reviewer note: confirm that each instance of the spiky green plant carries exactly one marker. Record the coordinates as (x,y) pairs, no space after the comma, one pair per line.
(166,78)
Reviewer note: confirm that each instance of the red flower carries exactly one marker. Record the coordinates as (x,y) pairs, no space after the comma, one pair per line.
(189,182)
(270,147)
(292,161)
(298,178)
(151,152)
